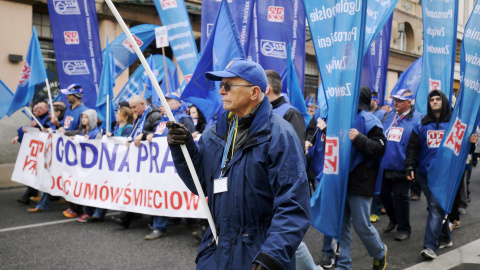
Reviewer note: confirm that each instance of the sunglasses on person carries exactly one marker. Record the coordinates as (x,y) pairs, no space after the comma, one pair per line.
(227,86)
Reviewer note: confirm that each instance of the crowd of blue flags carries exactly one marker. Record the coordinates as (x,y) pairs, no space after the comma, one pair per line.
(262,32)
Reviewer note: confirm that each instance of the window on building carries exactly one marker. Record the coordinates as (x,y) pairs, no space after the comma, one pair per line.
(41,22)
(311,77)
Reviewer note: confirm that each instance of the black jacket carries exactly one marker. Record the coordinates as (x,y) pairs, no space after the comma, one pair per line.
(293,116)
(151,122)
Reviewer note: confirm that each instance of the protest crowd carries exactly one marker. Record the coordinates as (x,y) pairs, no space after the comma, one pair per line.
(270,163)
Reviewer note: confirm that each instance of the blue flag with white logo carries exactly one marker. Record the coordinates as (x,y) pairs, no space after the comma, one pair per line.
(222,46)
(289,79)
(439,50)
(446,170)
(135,83)
(173,14)
(122,50)
(410,78)
(375,62)
(107,82)
(7,97)
(77,46)
(33,73)
(338,33)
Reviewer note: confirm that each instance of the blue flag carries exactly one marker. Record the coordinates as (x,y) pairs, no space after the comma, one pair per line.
(375,62)
(222,46)
(173,84)
(135,83)
(149,90)
(77,46)
(107,82)
(410,78)
(33,73)
(446,170)
(7,97)
(122,50)
(289,79)
(439,50)
(338,41)
(173,14)
(378,14)
(322,102)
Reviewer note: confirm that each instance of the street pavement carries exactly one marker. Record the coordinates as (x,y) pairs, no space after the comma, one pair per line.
(49,241)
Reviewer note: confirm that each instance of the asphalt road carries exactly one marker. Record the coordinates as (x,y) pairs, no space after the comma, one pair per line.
(49,241)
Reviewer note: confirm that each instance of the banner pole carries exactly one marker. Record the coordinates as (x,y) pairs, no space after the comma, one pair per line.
(165,69)
(52,113)
(33,116)
(170,117)
(144,88)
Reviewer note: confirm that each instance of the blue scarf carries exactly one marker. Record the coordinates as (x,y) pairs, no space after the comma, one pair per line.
(138,128)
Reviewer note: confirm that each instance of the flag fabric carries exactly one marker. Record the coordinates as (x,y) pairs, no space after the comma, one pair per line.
(222,46)
(289,79)
(107,82)
(410,78)
(173,14)
(322,102)
(340,62)
(439,50)
(149,90)
(378,14)
(7,97)
(33,73)
(173,84)
(375,62)
(446,170)
(122,50)
(77,46)
(134,86)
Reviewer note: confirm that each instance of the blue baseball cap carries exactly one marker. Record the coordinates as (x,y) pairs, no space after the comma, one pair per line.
(73,89)
(403,94)
(243,68)
(173,96)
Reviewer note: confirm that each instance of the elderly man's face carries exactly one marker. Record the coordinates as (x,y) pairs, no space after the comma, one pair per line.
(173,104)
(238,99)
(42,108)
(137,107)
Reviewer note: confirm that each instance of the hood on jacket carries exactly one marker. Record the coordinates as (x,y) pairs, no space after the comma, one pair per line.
(445,112)
(365,98)
(92,118)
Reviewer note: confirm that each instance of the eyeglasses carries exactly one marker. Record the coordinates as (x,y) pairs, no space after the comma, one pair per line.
(227,86)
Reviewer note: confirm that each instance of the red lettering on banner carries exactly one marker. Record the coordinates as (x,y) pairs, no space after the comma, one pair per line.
(159,199)
(138,196)
(65,186)
(172,200)
(31,160)
(116,194)
(91,192)
(276,14)
(79,189)
(166,200)
(149,197)
(193,198)
(26,73)
(455,137)
(331,155)
(59,181)
(166,4)
(129,46)
(435,84)
(127,196)
(434,138)
(71,37)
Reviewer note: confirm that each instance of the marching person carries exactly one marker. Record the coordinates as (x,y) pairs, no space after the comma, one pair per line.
(395,187)
(251,166)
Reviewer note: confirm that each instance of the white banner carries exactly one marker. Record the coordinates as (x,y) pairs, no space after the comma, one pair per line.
(106,174)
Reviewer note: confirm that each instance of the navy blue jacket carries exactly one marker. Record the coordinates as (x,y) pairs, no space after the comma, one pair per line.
(265,213)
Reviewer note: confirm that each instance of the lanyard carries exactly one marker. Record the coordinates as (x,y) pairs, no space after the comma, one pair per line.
(233,129)
(395,119)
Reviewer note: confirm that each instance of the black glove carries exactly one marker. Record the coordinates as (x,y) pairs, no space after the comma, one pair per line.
(257,266)
(177,133)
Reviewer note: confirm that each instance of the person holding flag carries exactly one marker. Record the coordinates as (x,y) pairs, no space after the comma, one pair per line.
(368,148)
(395,188)
(251,164)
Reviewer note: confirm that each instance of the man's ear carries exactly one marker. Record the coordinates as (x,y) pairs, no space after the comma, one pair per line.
(255,92)
(269,88)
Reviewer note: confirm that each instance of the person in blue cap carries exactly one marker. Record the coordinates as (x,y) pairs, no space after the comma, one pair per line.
(395,187)
(251,165)
(72,117)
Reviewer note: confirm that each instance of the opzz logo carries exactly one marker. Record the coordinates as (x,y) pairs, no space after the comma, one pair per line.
(30,164)
(276,14)
(435,84)
(434,138)
(26,73)
(166,4)
(66,7)
(455,136)
(273,48)
(71,37)
(129,46)
(331,156)
(75,67)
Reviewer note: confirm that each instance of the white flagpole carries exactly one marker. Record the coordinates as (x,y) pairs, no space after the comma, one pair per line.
(52,113)
(33,116)
(169,114)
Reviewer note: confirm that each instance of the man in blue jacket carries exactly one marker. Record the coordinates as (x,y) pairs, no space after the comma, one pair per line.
(395,187)
(422,147)
(251,165)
